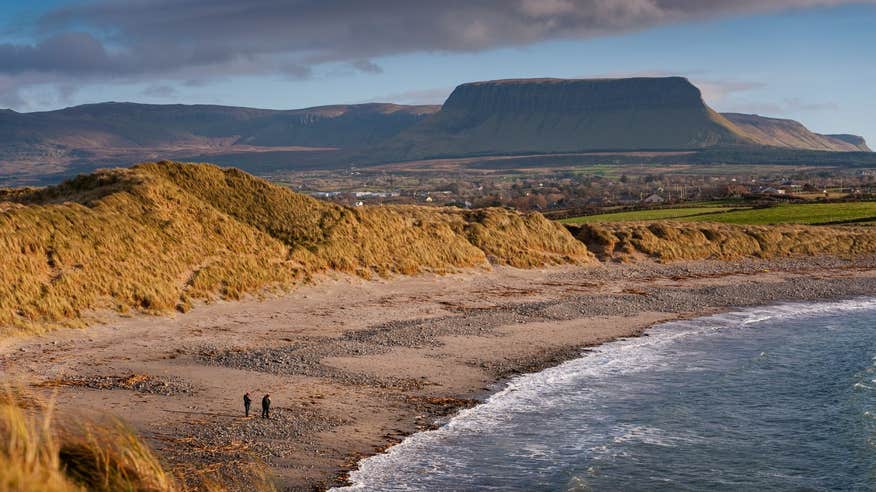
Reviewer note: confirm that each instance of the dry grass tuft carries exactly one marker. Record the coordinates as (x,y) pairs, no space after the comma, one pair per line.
(40,454)
(29,459)
(522,241)
(669,241)
(158,236)
(37,455)
(111,457)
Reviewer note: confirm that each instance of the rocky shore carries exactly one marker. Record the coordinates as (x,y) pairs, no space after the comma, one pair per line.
(354,366)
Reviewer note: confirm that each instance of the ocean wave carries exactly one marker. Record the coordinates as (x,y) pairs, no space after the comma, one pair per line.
(560,385)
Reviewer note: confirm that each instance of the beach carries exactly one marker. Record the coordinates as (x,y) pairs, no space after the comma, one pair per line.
(354,366)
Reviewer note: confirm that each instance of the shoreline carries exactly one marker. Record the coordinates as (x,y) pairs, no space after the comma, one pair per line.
(504,420)
(355,366)
(343,479)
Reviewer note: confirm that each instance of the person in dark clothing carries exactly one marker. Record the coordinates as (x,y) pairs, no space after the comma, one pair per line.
(266,407)
(247,402)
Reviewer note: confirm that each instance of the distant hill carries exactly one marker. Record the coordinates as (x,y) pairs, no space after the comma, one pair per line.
(519,116)
(566,115)
(776,132)
(856,140)
(82,138)
(130,124)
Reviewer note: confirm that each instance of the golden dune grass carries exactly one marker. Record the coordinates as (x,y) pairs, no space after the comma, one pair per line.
(669,241)
(121,240)
(157,236)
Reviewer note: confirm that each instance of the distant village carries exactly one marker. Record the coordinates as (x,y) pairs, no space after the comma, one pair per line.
(574,190)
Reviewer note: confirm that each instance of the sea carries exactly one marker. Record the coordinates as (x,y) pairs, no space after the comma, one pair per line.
(773,398)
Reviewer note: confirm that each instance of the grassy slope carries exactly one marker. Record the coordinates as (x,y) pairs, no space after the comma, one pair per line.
(799,213)
(156,236)
(778,132)
(804,213)
(654,214)
(526,133)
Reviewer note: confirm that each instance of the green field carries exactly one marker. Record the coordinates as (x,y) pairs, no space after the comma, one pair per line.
(805,213)
(653,214)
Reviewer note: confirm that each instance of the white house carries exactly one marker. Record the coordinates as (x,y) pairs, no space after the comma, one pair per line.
(654,198)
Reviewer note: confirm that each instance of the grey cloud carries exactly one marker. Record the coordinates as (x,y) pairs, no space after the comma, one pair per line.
(715,91)
(296,71)
(10,96)
(186,39)
(72,52)
(66,92)
(423,96)
(159,91)
(797,104)
(196,82)
(367,66)
(784,107)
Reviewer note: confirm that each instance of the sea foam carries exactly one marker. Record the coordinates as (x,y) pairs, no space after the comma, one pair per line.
(561,386)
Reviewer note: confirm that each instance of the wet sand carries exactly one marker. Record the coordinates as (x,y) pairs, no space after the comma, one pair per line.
(353,366)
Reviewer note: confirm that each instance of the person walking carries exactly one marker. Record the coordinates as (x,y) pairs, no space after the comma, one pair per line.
(247,402)
(266,407)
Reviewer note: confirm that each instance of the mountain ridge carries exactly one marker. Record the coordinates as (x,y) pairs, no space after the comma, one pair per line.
(138,123)
(788,133)
(510,116)
(368,125)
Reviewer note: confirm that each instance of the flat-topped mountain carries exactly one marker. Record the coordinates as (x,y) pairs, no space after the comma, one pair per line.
(565,115)
(777,132)
(574,115)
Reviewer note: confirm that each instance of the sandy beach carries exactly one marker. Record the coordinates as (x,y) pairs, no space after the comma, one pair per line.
(353,366)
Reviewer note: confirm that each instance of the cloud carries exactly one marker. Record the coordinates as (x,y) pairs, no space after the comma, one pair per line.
(159,91)
(296,71)
(787,106)
(10,95)
(66,92)
(72,53)
(715,91)
(424,96)
(367,66)
(797,104)
(203,39)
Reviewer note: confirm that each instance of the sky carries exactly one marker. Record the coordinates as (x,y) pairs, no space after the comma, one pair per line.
(809,60)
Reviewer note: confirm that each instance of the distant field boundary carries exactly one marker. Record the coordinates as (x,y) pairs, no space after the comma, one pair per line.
(811,213)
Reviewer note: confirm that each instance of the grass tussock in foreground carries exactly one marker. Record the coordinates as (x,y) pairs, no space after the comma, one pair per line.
(669,241)
(155,237)
(40,452)
(38,455)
